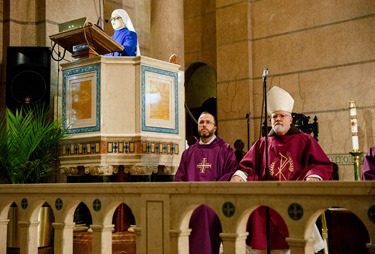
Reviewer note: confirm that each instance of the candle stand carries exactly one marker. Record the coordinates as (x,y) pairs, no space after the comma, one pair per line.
(356,158)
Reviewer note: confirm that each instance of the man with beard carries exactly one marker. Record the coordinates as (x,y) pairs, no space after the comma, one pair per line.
(209,159)
(293,156)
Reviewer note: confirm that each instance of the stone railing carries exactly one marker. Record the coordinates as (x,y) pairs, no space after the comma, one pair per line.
(162,211)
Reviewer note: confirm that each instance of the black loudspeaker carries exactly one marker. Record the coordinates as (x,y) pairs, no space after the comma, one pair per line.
(28,76)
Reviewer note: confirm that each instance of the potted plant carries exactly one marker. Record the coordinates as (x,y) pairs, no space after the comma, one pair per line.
(29,139)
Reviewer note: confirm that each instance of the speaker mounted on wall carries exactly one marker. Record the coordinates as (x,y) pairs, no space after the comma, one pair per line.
(28,76)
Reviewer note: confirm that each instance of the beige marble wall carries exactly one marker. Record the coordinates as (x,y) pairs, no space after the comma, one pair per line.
(321,52)
(167,38)
(235,84)
(200,32)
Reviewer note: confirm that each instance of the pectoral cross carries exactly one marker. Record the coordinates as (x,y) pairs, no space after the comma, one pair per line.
(202,166)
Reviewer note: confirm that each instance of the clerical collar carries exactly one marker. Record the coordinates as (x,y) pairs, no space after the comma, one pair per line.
(209,142)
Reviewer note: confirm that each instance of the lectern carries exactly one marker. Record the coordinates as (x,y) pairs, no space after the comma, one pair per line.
(87,41)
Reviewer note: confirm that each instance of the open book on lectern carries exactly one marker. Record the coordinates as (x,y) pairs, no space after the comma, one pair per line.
(83,39)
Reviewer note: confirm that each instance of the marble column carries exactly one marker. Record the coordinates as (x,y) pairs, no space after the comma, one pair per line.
(300,245)
(234,243)
(371,248)
(3,231)
(167,30)
(28,236)
(63,242)
(180,241)
(102,238)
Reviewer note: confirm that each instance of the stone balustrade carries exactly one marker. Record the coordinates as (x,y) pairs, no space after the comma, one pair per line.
(162,211)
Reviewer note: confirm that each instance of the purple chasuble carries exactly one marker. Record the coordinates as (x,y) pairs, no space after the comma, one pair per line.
(368,171)
(212,162)
(292,157)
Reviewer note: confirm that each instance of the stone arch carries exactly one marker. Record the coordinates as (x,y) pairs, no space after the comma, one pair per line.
(66,215)
(4,209)
(241,223)
(200,88)
(349,219)
(106,215)
(31,212)
(276,212)
(80,210)
(184,221)
(38,212)
(123,214)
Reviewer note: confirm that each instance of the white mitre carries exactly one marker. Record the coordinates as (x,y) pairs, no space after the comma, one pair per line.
(279,99)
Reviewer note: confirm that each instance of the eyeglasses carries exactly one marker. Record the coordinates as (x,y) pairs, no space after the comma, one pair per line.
(205,122)
(115,18)
(282,116)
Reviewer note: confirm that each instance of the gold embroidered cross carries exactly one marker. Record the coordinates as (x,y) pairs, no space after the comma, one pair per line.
(284,161)
(203,165)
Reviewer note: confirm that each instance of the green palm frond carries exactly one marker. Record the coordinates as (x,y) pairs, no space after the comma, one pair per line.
(28,142)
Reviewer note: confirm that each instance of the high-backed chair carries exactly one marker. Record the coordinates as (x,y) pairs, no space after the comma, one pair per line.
(302,122)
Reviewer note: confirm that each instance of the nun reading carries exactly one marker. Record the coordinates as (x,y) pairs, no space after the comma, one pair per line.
(124,34)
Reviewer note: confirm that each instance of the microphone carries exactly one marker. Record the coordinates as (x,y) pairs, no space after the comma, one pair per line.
(106,20)
(265,73)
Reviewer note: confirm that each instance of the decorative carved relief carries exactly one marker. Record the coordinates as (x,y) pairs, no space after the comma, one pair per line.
(99,170)
(166,170)
(140,170)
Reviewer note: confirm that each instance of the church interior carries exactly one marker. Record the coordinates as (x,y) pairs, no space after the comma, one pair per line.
(200,55)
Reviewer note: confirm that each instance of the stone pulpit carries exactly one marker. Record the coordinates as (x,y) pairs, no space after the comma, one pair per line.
(122,113)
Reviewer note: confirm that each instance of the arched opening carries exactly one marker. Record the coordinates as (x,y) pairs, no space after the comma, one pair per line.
(346,232)
(205,228)
(260,219)
(123,237)
(82,238)
(200,94)
(45,229)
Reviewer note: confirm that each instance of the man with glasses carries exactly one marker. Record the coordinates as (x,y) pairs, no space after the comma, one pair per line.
(209,159)
(124,34)
(293,156)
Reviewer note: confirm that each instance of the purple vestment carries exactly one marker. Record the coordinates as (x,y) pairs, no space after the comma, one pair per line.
(128,39)
(292,157)
(368,171)
(211,162)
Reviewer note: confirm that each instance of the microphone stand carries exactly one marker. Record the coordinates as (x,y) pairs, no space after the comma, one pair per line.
(264,76)
(248,130)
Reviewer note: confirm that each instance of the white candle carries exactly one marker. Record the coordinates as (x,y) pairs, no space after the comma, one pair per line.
(355,143)
(354,125)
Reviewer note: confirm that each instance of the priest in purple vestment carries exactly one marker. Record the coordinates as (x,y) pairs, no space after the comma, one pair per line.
(209,159)
(293,156)
(368,170)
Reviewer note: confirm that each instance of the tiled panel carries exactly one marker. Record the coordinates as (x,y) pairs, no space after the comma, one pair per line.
(119,147)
